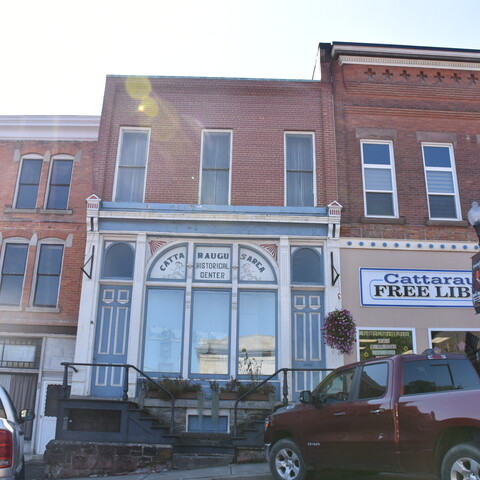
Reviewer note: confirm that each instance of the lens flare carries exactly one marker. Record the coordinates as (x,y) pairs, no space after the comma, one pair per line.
(138,87)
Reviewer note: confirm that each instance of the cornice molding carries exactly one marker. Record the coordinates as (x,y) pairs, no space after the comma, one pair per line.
(407,62)
(407,245)
(49,127)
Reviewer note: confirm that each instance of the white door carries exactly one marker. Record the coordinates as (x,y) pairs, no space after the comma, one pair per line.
(46,424)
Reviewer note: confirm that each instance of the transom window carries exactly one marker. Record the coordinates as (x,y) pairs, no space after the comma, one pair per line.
(299,164)
(216,160)
(380,197)
(199,329)
(59,185)
(131,165)
(441,182)
(28,181)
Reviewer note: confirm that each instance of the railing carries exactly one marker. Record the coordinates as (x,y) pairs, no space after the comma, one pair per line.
(68,365)
(284,389)
(125,366)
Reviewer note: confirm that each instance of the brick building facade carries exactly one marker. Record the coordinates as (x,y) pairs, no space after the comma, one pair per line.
(221,196)
(407,131)
(47,173)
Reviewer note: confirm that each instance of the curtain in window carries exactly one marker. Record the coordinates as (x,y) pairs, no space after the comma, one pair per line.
(215,168)
(299,153)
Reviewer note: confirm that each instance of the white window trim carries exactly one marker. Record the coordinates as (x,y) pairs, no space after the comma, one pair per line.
(47,193)
(452,169)
(30,156)
(314,167)
(216,130)
(46,241)
(119,150)
(15,241)
(390,167)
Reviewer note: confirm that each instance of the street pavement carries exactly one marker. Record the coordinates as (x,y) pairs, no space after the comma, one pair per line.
(250,471)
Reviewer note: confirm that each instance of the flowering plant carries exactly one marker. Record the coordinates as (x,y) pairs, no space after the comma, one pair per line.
(339,331)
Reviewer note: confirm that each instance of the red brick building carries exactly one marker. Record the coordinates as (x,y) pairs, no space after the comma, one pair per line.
(46,165)
(218,195)
(407,123)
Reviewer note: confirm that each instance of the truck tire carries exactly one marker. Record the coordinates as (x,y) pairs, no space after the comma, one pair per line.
(462,462)
(286,461)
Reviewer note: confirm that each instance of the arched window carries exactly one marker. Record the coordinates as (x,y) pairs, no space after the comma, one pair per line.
(119,261)
(307,266)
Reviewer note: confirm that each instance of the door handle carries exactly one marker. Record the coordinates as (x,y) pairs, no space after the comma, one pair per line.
(378,411)
(339,414)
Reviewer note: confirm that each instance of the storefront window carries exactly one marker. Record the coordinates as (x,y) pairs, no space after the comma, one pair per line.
(164,330)
(256,325)
(452,341)
(381,343)
(210,332)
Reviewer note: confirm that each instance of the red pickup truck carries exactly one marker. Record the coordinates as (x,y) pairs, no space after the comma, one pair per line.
(415,414)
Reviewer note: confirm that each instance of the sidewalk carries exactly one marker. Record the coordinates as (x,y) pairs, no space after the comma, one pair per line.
(243,471)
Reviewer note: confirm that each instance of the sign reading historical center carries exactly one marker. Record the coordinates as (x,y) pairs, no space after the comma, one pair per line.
(212,263)
(415,288)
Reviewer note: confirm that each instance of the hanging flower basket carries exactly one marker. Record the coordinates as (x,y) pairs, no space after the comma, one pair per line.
(339,331)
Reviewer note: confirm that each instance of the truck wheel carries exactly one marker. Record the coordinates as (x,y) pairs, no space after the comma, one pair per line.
(286,461)
(462,462)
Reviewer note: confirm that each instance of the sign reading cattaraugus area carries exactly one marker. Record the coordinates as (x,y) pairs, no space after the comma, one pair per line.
(476,282)
(381,287)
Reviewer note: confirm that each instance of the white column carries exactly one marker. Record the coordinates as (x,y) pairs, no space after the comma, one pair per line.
(134,356)
(87,316)
(284,349)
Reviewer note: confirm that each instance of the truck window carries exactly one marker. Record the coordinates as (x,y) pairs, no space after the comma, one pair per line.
(438,376)
(336,388)
(373,381)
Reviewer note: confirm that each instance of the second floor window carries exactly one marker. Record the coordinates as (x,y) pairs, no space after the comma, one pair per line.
(27,189)
(59,185)
(299,169)
(48,275)
(379,179)
(216,159)
(440,178)
(13,273)
(131,165)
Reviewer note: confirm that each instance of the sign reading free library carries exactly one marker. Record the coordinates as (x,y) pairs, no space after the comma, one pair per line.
(415,288)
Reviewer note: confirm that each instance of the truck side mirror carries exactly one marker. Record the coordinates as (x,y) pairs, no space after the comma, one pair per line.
(306,396)
(27,415)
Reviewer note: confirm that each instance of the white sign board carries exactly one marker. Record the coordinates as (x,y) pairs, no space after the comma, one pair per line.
(171,265)
(212,263)
(415,288)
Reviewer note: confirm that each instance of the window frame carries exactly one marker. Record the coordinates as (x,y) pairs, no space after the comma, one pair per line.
(2,260)
(390,167)
(286,170)
(49,183)
(124,130)
(229,186)
(452,169)
(35,277)
(31,156)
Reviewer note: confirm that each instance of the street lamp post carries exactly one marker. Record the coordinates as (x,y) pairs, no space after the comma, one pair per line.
(474,218)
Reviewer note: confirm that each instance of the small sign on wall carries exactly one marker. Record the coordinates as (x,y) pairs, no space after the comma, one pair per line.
(415,288)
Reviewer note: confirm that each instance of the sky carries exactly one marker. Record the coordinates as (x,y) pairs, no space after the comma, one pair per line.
(55,54)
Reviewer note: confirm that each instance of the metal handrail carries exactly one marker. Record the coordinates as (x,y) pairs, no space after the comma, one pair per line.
(126,366)
(284,389)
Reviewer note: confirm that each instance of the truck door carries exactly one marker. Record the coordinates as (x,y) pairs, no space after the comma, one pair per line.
(371,437)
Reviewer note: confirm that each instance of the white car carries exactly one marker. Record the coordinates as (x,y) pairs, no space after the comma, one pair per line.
(12,462)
